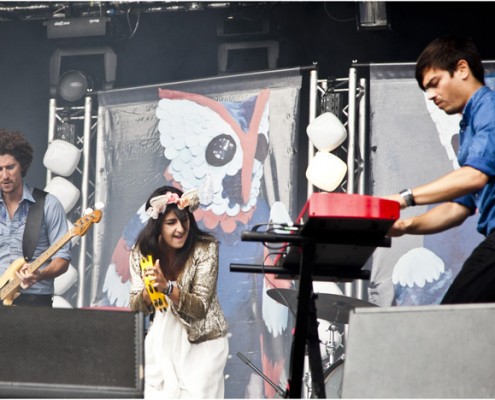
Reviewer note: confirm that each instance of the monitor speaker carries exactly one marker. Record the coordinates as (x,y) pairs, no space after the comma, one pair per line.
(440,351)
(64,353)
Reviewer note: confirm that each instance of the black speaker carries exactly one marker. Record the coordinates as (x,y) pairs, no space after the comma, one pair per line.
(438,351)
(64,353)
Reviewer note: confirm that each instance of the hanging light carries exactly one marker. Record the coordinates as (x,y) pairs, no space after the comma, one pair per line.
(73,86)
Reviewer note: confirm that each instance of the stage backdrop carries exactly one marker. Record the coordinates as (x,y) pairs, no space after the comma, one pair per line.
(235,138)
(413,142)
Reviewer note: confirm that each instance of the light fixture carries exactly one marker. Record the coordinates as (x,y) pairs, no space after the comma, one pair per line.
(373,15)
(74,83)
(73,86)
(325,170)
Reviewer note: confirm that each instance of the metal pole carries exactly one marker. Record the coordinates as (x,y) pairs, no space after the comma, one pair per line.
(100,197)
(363,157)
(313,96)
(52,118)
(84,197)
(351,144)
(351,130)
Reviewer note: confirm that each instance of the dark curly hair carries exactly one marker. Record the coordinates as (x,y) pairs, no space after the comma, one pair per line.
(15,144)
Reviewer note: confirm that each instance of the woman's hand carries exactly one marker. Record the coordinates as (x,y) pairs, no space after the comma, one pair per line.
(160,283)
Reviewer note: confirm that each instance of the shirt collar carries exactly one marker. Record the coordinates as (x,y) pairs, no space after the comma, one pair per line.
(476,97)
(26,194)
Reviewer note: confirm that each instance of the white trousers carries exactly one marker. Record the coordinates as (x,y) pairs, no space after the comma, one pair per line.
(176,368)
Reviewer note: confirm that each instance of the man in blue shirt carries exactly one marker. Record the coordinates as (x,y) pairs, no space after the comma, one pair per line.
(451,73)
(36,287)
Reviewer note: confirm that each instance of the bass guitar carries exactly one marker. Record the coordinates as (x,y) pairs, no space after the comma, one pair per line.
(158,299)
(10,283)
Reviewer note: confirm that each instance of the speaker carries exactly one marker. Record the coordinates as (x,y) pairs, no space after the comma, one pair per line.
(443,351)
(63,353)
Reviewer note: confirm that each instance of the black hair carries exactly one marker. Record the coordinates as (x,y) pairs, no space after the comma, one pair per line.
(148,240)
(445,53)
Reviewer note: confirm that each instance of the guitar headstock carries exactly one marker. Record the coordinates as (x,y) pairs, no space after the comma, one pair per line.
(82,225)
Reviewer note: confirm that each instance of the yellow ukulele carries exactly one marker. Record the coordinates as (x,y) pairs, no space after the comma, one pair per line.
(10,283)
(158,299)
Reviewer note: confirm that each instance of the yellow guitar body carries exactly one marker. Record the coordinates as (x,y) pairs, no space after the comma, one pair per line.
(158,299)
(9,276)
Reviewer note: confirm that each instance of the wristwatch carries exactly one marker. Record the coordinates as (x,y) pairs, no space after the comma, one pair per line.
(408,197)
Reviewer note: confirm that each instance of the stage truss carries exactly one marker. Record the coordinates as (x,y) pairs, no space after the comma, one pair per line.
(345,97)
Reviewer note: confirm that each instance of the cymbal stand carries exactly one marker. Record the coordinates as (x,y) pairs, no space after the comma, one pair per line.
(333,344)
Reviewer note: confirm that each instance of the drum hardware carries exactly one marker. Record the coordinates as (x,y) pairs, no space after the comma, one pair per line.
(337,308)
(330,307)
(334,375)
(246,361)
(331,345)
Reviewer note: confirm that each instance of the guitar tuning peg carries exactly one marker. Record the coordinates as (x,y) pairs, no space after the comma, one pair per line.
(99,206)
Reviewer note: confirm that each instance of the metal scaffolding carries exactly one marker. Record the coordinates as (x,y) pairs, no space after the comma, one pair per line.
(346,98)
(77,125)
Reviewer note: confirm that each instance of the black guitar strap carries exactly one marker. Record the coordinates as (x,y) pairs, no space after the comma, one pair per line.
(33,224)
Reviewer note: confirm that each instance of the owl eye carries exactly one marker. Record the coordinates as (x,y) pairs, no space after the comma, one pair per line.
(261,148)
(220,150)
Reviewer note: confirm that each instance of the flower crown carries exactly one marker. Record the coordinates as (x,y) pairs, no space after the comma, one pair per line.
(159,204)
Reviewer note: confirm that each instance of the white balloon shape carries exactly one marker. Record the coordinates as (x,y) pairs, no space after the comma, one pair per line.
(326,171)
(65,281)
(326,132)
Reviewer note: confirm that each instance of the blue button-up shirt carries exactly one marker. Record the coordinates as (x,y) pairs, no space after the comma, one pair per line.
(53,227)
(477,150)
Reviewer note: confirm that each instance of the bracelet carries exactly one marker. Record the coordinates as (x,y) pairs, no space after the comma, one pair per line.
(170,288)
(408,197)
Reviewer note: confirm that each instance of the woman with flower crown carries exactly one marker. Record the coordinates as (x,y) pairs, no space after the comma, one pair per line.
(186,347)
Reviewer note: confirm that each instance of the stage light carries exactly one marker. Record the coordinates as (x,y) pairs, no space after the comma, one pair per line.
(73,86)
(373,15)
(326,171)
(67,79)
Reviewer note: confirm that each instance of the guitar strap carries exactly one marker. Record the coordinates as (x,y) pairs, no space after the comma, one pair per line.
(33,224)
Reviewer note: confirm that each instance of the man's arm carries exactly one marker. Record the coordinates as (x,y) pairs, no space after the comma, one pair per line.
(455,184)
(57,267)
(438,219)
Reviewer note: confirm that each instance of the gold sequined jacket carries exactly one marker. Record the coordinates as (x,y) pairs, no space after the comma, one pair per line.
(198,309)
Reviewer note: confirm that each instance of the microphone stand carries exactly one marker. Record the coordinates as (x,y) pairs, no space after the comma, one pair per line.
(279,390)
